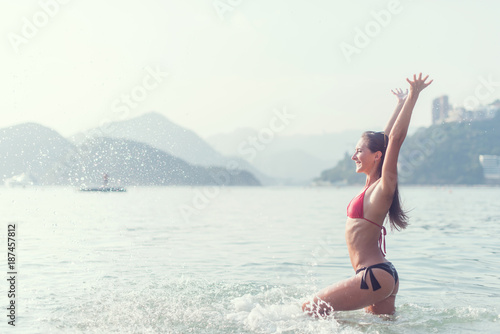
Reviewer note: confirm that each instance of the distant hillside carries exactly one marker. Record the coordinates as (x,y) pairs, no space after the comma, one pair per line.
(133,163)
(32,149)
(44,157)
(441,154)
(157,131)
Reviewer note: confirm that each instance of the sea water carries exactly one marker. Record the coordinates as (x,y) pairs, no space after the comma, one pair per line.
(241,260)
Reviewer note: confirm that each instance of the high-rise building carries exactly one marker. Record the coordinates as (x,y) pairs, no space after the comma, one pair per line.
(440,108)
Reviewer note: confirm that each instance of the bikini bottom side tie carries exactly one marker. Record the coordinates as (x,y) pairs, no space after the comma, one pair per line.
(386,266)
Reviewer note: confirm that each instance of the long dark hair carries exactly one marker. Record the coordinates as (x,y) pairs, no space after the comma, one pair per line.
(377,141)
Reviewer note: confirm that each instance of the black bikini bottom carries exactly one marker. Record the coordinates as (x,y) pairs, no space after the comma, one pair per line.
(387,266)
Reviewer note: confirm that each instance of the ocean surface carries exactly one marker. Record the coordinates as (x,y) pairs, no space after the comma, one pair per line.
(241,260)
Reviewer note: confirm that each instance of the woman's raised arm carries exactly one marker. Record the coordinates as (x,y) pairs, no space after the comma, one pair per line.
(400,128)
(401,101)
(398,134)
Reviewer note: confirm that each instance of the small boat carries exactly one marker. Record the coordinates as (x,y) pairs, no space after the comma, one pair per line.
(104,187)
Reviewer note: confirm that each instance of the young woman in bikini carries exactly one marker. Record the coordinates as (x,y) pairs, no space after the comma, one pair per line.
(375,285)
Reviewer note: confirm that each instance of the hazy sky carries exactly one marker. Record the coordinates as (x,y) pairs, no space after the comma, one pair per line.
(71,64)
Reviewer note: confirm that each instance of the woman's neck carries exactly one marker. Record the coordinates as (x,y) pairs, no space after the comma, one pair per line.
(371,179)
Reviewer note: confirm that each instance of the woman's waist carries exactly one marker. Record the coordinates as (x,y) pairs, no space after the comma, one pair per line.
(360,237)
(365,256)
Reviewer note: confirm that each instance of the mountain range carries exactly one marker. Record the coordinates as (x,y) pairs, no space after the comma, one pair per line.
(160,133)
(151,150)
(50,159)
(134,163)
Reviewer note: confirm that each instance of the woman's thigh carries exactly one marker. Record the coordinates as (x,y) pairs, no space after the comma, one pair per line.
(347,295)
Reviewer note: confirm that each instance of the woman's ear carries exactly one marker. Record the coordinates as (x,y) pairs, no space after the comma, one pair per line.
(378,155)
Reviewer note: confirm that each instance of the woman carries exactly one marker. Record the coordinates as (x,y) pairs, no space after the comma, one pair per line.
(375,285)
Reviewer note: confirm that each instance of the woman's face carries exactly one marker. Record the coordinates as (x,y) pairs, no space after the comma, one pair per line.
(363,157)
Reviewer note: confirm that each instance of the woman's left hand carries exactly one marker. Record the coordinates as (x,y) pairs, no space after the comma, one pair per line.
(400,94)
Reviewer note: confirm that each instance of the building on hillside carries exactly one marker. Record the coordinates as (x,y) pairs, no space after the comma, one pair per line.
(457,114)
(440,109)
(444,112)
(491,168)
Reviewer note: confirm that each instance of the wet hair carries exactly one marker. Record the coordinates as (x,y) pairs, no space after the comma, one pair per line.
(377,141)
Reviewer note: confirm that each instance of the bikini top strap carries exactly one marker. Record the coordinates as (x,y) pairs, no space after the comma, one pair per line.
(381,240)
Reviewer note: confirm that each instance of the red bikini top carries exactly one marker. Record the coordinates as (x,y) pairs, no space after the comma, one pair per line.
(355,210)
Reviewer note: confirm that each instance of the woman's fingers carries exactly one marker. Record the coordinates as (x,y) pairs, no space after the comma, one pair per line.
(419,84)
(400,94)
(419,78)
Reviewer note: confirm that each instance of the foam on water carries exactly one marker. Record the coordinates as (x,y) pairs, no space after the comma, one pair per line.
(186,305)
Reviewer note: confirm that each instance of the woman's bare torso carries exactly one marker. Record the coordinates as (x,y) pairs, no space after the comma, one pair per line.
(362,243)
(361,235)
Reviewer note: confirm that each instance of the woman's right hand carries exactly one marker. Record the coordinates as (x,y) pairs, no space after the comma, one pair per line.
(418,84)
